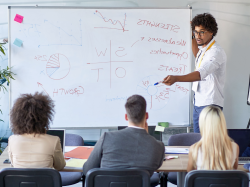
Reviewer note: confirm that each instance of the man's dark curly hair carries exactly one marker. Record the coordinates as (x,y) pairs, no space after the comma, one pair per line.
(207,21)
(32,114)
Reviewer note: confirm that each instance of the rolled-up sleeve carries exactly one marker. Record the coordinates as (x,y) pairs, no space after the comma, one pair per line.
(211,63)
(58,158)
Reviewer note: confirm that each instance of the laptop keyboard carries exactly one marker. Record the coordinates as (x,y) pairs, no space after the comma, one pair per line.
(244,158)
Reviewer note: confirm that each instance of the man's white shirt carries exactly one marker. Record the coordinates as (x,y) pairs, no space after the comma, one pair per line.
(213,76)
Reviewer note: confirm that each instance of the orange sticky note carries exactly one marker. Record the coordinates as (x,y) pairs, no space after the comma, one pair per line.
(18,18)
(79,152)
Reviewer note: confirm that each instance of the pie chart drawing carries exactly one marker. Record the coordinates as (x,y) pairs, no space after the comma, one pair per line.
(58,66)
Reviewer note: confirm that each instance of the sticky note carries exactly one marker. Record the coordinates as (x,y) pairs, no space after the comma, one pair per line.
(170,157)
(75,162)
(163,124)
(18,42)
(159,128)
(18,18)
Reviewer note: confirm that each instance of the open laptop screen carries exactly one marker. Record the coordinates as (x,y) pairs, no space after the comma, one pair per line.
(151,131)
(60,133)
(241,137)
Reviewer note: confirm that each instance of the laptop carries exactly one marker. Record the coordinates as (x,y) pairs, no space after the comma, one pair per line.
(242,138)
(61,134)
(151,131)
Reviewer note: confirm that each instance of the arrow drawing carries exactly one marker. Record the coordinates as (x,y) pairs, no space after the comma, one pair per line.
(39,84)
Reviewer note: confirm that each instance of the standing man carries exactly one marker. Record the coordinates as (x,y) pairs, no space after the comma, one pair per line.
(210,67)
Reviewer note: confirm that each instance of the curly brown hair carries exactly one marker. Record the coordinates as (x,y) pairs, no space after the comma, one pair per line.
(207,21)
(32,114)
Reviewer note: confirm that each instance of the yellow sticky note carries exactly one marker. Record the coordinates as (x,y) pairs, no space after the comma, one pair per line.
(75,162)
(159,128)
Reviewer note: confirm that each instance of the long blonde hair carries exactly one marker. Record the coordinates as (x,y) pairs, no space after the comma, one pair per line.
(215,143)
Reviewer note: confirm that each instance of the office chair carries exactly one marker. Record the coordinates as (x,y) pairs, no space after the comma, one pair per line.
(117,178)
(17,177)
(69,178)
(209,178)
(185,139)
(73,140)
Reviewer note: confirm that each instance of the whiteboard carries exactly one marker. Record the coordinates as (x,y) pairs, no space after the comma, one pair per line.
(89,61)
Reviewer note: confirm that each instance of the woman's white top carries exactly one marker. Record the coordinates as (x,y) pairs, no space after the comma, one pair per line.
(199,157)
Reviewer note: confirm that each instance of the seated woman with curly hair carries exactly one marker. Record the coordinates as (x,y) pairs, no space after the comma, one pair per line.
(30,146)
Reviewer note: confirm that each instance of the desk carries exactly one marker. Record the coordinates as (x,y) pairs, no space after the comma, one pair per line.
(174,165)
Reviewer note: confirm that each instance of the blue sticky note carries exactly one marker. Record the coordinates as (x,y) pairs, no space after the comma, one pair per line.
(18,42)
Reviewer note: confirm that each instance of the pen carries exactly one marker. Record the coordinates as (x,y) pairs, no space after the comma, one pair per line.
(158,83)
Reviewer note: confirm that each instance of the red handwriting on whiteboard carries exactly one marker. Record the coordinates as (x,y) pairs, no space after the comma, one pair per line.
(163,95)
(178,87)
(120,52)
(142,38)
(98,72)
(145,83)
(76,91)
(180,70)
(169,27)
(118,25)
(39,84)
(41,57)
(119,72)
(101,52)
(183,55)
(170,41)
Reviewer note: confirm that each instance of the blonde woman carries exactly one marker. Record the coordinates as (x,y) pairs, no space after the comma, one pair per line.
(215,150)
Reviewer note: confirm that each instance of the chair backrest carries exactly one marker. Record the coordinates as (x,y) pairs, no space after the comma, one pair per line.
(208,178)
(185,139)
(17,177)
(117,178)
(73,140)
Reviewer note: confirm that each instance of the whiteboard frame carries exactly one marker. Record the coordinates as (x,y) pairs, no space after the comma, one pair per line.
(82,7)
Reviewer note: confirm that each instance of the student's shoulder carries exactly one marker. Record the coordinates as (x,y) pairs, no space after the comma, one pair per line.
(51,137)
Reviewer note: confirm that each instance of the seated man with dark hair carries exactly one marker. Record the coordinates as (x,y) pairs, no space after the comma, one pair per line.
(131,147)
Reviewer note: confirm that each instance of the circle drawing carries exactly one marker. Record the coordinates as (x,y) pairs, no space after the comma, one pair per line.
(120,72)
(152,90)
(58,66)
(156,95)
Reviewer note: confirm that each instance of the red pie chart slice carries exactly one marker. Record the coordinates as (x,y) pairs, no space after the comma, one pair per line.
(58,66)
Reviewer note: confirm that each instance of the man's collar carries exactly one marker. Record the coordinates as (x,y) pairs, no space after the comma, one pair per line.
(136,127)
(205,48)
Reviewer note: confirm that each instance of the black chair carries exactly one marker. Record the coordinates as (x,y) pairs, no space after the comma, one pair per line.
(185,139)
(69,178)
(117,178)
(16,177)
(208,178)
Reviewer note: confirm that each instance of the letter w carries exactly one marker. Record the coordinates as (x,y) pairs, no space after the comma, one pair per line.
(101,52)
